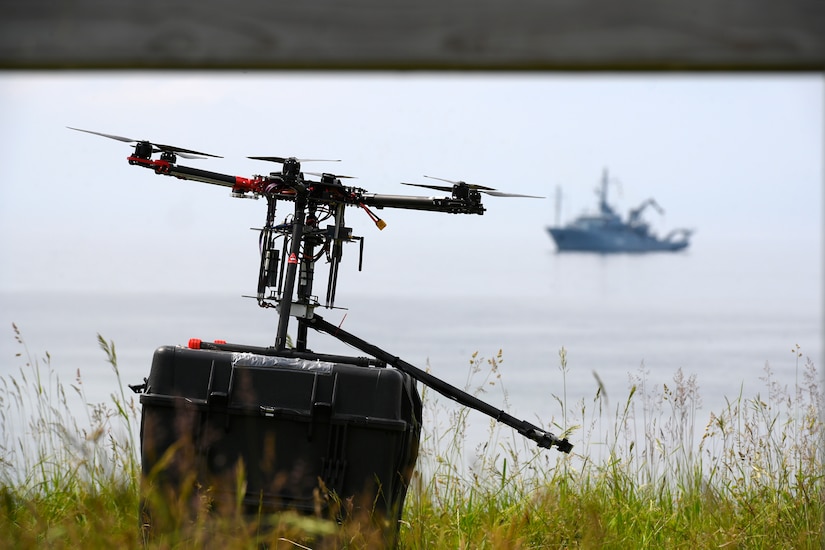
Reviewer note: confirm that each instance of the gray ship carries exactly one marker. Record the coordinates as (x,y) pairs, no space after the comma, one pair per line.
(606,232)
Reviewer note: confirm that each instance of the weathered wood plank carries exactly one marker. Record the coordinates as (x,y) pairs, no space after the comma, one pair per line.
(434,34)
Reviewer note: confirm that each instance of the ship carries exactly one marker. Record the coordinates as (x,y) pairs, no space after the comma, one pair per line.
(606,232)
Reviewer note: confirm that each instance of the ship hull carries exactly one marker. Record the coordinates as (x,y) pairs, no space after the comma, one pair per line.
(609,241)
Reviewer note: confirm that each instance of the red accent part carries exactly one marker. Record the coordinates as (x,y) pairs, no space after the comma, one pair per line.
(244,184)
(376,220)
(367,210)
(194,343)
(293,259)
(158,165)
(258,184)
(220,341)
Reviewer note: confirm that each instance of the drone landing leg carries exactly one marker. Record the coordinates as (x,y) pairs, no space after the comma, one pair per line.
(542,437)
(285,305)
(305,280)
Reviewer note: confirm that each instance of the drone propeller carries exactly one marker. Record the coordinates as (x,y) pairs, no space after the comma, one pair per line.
(336,176)
(436,187)
(283,160)
(470,185)
(480,188)
(156,147)
(292,165)
(494,193)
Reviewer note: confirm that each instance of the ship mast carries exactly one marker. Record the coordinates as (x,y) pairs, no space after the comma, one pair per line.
(604,208)
(558,206)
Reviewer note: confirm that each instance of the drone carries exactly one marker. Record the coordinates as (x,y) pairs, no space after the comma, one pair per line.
(315,229)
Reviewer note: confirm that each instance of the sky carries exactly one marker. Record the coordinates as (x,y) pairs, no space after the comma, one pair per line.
(733,156)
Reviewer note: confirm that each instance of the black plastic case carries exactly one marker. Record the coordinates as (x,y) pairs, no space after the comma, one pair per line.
(285,432)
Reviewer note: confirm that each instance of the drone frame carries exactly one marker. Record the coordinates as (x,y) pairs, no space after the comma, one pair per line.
(290,271)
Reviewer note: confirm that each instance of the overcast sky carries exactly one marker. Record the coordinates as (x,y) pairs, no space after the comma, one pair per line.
(736,157)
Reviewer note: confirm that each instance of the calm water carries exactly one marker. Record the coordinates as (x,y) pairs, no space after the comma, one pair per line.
(721,315)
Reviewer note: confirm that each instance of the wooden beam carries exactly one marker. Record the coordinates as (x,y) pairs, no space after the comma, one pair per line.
(415,34)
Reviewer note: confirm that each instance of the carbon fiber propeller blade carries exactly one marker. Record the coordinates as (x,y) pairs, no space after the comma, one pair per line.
(480,188)
(157,147)
(282,160)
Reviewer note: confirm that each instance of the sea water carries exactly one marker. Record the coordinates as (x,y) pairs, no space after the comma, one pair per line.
(721,315)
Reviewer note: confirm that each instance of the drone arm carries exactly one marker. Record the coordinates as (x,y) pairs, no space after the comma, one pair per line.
(257,184)
(204,176)
(433,204)
(166,168)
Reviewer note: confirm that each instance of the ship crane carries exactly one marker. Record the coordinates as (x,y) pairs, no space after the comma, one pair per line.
(635,213)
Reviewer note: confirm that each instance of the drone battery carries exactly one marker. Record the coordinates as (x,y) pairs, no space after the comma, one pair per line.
(271,268)
(277,433)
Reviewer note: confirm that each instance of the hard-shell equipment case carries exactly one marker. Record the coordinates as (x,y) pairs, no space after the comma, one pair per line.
(278,433)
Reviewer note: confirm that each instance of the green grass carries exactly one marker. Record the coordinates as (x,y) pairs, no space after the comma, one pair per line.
(647,472)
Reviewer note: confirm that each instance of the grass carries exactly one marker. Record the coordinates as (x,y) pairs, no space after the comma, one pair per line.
(646,473)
